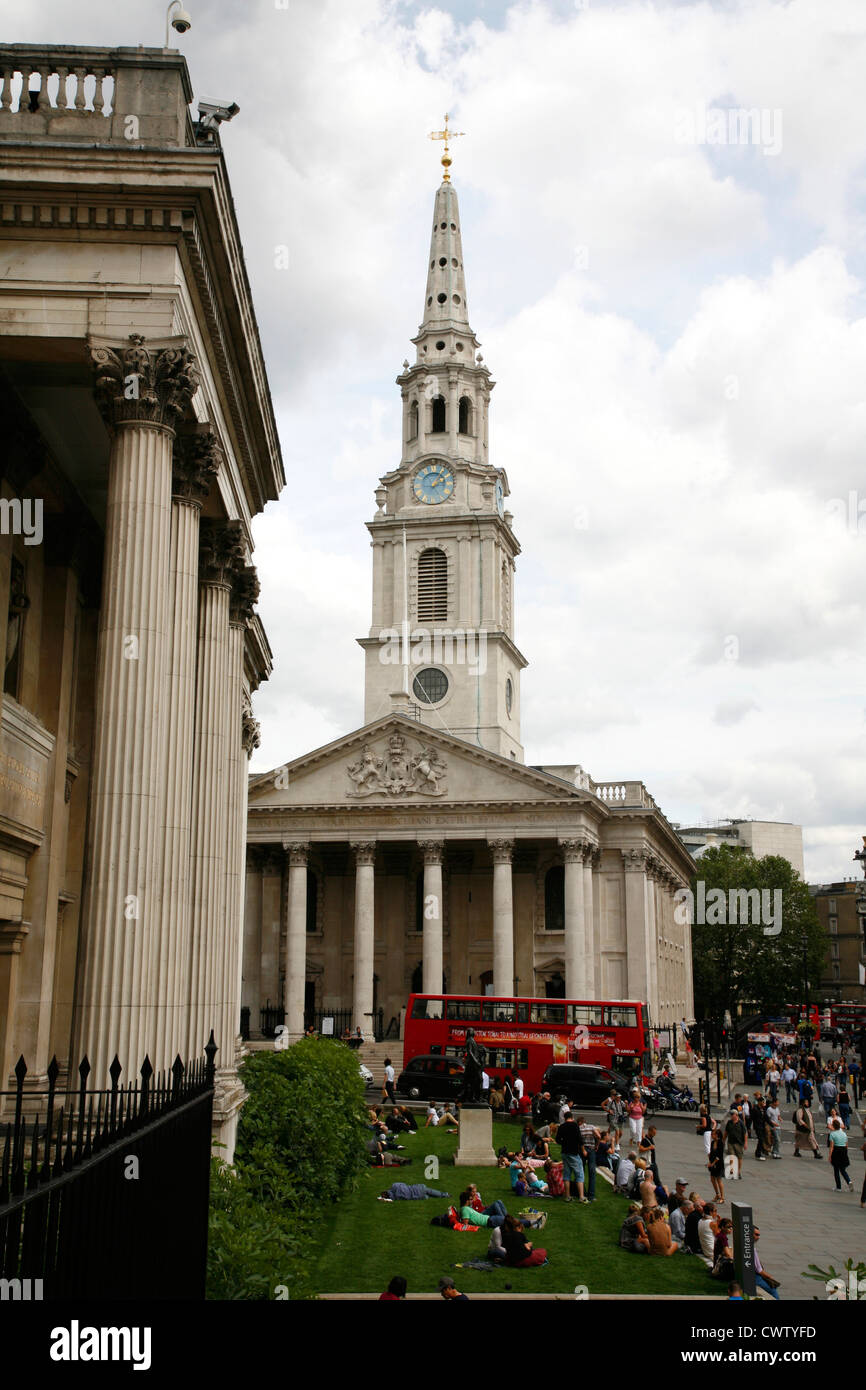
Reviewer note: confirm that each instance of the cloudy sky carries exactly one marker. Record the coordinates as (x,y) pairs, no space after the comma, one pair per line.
(675,320)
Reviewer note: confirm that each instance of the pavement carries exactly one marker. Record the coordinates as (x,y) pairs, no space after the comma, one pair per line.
(802,1219)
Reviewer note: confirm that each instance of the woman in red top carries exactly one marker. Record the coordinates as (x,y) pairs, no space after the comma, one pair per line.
(395,1290)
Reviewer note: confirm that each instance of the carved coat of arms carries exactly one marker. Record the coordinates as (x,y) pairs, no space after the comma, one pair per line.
(397,772)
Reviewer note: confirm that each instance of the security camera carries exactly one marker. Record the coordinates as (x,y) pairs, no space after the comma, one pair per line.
(212,113)
(180,20)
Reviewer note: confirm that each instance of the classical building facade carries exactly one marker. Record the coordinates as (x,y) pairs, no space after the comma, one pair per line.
(138,443)
(420,851)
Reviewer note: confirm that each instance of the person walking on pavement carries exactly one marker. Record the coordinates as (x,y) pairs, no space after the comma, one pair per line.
(735,1134)
(774,1128)
(828,1095)
(804,1130)
(837,1142)
(789,1076)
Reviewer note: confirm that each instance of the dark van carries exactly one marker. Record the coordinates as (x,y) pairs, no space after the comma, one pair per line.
(583,1084)
(431,1077)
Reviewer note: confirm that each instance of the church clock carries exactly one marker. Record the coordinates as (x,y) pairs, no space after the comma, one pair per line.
(435,483)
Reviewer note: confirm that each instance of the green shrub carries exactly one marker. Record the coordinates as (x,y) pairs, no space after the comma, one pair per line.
(300,1144)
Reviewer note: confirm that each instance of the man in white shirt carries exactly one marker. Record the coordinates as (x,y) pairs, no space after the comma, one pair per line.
(678,1221)
(774,1076)
(517,1087)
(789,1076)
(485,1088)
(625,1172)
(564,1109)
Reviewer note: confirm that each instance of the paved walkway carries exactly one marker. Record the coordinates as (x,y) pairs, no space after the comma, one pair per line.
(802,1219)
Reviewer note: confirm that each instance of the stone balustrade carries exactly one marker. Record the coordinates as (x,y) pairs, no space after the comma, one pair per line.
(62,85)
(623,794)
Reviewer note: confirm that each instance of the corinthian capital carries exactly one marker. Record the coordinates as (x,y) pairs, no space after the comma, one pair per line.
(196,460)
(152,385)
(250,729)
(245,591)
(221,551)
(501,851)
(365,852)
(575,850)
(432,850)
(636,860)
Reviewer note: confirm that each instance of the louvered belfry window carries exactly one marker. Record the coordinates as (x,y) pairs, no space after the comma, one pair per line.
(432,586)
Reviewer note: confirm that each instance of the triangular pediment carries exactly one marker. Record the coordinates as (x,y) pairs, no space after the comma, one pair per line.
(397,761)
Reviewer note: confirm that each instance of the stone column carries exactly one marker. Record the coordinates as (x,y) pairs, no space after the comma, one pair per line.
(588,922)
(653,944)
(433,916)
(252,967)
(245,591)
(636,921)
(296,949)
(362,992)
(453,410)
(197,460)
(503,918)
(575,919)
(141,392)
(221,553)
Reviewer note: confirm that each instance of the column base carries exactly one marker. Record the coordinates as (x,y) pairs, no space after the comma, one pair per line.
(475,1137)
(229,1096)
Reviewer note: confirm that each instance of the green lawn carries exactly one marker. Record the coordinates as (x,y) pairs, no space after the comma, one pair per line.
(365,1242)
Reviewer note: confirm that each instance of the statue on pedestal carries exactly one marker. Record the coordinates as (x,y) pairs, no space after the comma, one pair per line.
(474,1060)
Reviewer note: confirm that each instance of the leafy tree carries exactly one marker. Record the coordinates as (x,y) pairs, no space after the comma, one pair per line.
(739,963)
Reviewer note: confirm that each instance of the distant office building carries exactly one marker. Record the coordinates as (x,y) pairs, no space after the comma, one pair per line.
(759,837)
(845,929)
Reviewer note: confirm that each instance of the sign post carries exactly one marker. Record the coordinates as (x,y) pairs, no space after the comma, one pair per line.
(744,1248)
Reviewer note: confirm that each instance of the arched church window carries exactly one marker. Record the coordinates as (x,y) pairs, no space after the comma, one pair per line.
(464,417)
(413,420)
(432,586)
(437,424)
(554,899)
(312,901)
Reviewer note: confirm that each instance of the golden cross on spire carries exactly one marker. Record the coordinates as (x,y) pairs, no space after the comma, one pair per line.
(446,135)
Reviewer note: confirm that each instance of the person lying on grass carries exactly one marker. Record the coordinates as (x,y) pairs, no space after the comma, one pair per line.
(409,1192)
(523,1178)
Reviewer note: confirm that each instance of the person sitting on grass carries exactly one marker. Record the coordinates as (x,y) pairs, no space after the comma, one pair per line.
(395,1290)
(632,1232)
(408,1118)
(409,1192)
(692,1240)
(555,1183)
(723,1255)
(624,1174)
(659,1233)
(708,1229)
(447,1116)
(678,1223)
(397,1123)
(523,1179)
(518,1250)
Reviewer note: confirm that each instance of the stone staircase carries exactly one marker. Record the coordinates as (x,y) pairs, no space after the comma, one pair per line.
(373,1055)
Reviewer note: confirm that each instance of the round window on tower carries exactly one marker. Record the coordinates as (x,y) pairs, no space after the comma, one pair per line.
(509,696)
(430,686)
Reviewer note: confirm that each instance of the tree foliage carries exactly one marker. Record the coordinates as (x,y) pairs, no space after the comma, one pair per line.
(739,964)
(300,1145)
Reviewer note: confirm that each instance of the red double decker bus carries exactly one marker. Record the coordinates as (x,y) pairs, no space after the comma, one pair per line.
(528,1035)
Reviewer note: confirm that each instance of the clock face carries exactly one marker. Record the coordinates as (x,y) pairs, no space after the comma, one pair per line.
(433,483)
(500,499)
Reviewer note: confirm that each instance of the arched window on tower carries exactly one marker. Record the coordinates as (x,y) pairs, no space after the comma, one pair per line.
(432,586)
(437,421)
(464,416)
(413,420)
(554,899)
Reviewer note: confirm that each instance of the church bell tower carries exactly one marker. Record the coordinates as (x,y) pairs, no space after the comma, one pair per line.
(441,642)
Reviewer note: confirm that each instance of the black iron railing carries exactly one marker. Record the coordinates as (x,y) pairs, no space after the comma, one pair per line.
(104,1194)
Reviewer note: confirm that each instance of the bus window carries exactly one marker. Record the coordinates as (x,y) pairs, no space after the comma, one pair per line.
(585,1013)
(619,1016)
(547,1013)
(427,1008)
(498,1011)
(462,1009)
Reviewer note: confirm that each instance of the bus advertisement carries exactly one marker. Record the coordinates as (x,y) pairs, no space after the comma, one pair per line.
(528,1035)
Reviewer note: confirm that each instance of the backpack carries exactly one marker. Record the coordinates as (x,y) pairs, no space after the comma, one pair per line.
(439,1221)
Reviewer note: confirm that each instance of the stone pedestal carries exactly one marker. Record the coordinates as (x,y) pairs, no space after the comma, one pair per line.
(475,1138)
